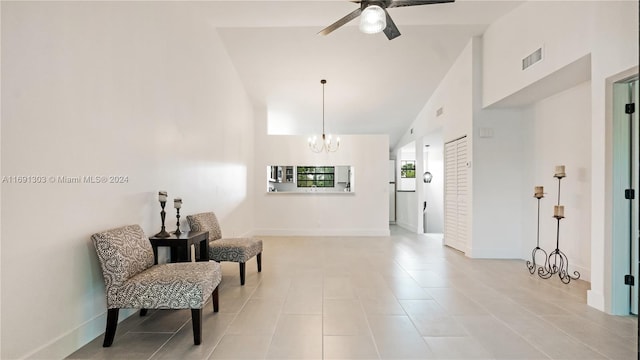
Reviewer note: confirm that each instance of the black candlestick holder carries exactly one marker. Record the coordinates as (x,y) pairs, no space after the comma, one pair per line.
(531,265)
(557,262)
(163,214)
(177,232)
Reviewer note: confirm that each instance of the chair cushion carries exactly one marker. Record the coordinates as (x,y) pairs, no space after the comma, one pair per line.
(123,252)
(205,222)
(234,249)
(185,285)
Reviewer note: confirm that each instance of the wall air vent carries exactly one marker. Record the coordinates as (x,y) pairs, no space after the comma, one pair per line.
(532,59)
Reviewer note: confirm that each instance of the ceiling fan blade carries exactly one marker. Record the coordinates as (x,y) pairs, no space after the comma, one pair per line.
(352,15)
(391,30)
(401,3)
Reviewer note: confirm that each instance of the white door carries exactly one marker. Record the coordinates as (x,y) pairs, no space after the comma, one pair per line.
(456,191)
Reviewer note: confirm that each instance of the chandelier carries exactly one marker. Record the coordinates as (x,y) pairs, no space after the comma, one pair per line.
(326,143)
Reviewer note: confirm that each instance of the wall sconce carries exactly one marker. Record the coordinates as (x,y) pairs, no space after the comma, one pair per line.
(427,177)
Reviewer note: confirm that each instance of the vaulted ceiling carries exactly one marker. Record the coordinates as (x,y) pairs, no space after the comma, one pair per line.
(374,86)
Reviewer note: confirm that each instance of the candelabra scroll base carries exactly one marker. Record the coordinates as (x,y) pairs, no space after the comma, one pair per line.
(532,265)
(558,263)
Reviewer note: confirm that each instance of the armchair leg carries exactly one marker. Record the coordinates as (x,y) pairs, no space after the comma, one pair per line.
(259,259)
(214,300)
(112,324)
(196,320)
(242,273)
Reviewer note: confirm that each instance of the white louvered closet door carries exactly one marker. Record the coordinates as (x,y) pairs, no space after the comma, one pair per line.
(456,194)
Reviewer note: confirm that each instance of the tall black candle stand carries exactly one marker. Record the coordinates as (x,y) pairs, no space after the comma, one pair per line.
(557,262)
(178,232)
(532,264)
(163,232)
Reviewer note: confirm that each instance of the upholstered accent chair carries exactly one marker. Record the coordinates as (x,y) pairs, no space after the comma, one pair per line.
(238,250)
(132,281)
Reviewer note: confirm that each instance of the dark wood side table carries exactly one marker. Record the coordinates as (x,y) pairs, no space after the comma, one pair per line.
(180,245)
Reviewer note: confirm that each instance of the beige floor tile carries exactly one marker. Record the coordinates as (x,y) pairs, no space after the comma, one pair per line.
(292,325)
(338,288)
(258,317)
(455,302)
(242,347)
(430,319)
(180,346)
(344,317)
(498,339)
(165,320)
(128,346)
(397,338)
(295,347)
(458,348)
(300,302)
(349,347)
(553,341)
(373,297)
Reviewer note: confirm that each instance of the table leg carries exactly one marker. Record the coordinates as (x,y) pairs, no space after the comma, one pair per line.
(155,254)
(204,250)
(174,253)
(185,253)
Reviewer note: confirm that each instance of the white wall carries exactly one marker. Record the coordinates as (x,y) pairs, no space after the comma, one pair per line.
(407,210)
(142,90)
(454,97)
(561,28)
(498,168)
(365,211)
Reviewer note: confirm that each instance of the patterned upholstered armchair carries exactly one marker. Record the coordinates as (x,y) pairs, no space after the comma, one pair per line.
(133,282)
(238,250)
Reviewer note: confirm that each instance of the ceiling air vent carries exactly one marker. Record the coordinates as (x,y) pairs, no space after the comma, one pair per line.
(532,59)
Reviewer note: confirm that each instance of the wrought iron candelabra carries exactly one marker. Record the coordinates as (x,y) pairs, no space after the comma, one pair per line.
(557,261)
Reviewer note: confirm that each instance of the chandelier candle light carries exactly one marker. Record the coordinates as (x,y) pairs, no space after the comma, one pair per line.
(177,203)
(326,144)
(162,197)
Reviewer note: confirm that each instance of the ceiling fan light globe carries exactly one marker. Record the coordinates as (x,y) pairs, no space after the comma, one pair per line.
(373,20)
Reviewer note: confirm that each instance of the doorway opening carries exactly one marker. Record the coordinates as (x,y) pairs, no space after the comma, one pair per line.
(626,198)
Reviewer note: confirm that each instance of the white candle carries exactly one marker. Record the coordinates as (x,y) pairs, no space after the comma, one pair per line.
(560,170)
(558,211)
(177,203)
(162,196)
(539,191)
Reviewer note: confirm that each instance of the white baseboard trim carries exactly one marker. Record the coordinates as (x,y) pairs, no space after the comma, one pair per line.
(321,232)
(492,253)
(65,344)
(596,300)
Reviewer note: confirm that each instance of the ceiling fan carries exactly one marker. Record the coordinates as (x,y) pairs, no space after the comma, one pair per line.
(375,17)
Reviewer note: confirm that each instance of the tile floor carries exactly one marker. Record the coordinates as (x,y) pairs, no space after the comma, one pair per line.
(400,297)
